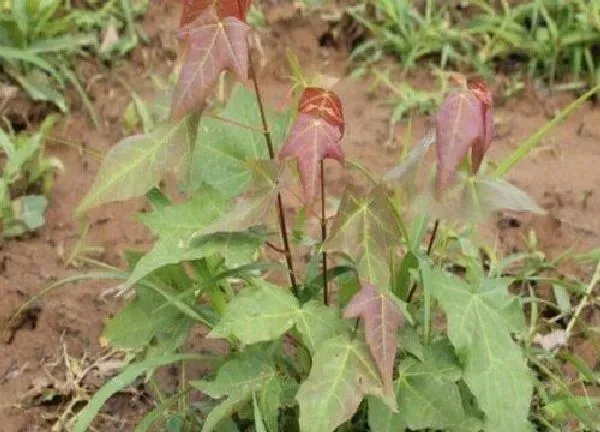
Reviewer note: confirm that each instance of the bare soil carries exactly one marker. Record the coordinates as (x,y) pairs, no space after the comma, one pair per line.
(44,354)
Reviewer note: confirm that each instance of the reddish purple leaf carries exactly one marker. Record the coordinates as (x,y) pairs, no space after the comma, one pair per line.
(481,146)
(459,124)
(211,45)
(382,318)
(192,9)
(311,140)
(324,104)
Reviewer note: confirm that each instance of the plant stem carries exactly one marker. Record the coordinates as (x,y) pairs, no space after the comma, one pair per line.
(281,214)
(324,236)
(429,249)
(433,235)
(584,301)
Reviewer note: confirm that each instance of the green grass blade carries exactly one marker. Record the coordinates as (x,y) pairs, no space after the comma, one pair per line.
(125,378)
(63,43)
(28,57)
(524,149)
(70,75)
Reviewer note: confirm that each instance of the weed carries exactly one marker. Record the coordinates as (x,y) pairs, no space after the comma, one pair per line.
(355,340)
(27,177)
(553,41)
(38,41)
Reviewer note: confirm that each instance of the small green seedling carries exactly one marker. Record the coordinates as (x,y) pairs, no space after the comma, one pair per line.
(26,180)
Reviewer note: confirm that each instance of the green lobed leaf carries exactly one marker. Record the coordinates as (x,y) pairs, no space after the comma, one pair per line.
(237,380)
(223,148)
(135,165)
(481,319)
(317,323)
(256,208)
(135,326)
(427,393)
(261,312)
(175,225)
(366,227)
(342,374)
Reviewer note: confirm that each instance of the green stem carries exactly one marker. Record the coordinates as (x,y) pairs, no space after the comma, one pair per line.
(324,236)
(584,301)
(524,149)
(280,211)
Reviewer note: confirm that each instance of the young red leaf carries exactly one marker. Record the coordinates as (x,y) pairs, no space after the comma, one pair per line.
(382,317)
(311,140)
(459,124)
(323,104)
(212,45)
(192,9)
(481,146)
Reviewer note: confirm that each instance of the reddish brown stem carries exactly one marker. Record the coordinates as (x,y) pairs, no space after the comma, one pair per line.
(324,236)
(280,211)
(429,249)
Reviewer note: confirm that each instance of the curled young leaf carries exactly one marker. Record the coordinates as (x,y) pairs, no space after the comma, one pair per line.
(211,45)
(458,126)
(465,121)
(482,145)
(323,104)
(311,140)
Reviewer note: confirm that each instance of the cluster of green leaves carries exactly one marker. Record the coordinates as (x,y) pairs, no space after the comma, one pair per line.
(355,342)
(27,177)
(39,39)
(555,41)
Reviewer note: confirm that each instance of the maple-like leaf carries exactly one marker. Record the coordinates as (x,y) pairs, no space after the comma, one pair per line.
(324,104)
(366,227)
(382,317)
(192,9)
(465,121)
(211,45)
(311,140)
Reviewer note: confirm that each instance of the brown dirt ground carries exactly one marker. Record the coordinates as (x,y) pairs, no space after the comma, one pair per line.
(64,327)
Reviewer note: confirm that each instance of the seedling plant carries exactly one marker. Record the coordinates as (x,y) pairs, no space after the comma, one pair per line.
(40,39)
(396,321)
(26,180)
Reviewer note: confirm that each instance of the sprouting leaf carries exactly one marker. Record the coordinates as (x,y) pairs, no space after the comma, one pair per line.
(366,227)
(382,317)
(174,226)
(311,140)
(459,125)
(192,9)
(262,312)
(223,148)
(211,45)
(134,166)
(481,319)
(325,104)
(342,374)
(237,380)
(318,323)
